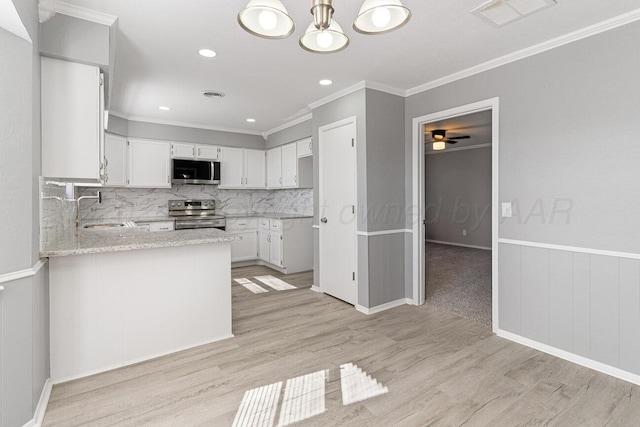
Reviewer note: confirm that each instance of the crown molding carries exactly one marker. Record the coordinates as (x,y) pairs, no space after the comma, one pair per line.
(287,125)
(583,33)
(183,124)
(84,13)
(337,95)
(385,88)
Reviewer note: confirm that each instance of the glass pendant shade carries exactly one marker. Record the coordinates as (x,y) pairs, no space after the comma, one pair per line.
(381,16)
(439,145)
(330,40)
(266,18)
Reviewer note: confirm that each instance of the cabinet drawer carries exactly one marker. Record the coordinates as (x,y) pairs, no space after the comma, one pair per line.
(265,224)
(276,225)
(239,224)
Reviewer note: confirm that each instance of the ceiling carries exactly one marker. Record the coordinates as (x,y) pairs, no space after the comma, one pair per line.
(274,81)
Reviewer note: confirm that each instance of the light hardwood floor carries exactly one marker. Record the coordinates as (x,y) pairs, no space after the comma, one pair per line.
(440,369)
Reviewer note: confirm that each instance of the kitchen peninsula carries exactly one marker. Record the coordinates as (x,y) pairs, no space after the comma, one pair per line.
(120,296)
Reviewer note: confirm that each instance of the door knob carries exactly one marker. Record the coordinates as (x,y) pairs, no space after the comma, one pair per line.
(323,220)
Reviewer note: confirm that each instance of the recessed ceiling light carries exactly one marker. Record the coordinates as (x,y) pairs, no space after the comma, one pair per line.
(207,53)
(164,108)
(251,120)
(325,82)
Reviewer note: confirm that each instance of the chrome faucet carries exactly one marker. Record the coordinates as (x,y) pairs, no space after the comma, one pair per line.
(97,196)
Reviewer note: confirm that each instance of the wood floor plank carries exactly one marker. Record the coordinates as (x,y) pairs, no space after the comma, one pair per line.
(439,369)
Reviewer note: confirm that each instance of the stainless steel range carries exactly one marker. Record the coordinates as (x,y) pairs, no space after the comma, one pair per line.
(196,213)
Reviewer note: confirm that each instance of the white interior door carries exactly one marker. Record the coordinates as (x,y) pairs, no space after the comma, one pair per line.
(337,196)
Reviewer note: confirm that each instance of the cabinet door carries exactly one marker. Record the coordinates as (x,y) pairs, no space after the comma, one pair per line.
(264,250)
(180,150)
(245,249)
(71,114)
(207,152)
(305,147)
(289,166)
(275,255)
(254,169)
(149,164)
(115,159)
(231,167)
(274,168)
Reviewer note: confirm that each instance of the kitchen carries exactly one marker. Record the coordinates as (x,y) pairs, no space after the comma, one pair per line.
(552,112)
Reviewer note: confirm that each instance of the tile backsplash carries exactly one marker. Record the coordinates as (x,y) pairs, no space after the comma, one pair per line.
(124,203)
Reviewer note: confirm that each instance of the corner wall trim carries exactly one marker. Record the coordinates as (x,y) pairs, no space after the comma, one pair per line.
(383,307)
(84,13)
(583,33)
(571,357)
(317,289)
(617,254)
(10,277)
(486,248)
(383,232)
(41,408)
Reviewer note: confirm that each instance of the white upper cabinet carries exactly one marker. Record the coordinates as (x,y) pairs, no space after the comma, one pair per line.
(72,121)
(242,168)
(207,152)
(305,147)
(274,168)
(180,150)
(289,166)
(149,163)
(184,150)
(231,167)
(115,160)
(254,169)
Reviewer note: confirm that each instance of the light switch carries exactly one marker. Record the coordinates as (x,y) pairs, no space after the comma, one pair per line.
(506,210)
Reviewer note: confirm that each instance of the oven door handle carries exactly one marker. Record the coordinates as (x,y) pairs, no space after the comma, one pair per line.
(200,223)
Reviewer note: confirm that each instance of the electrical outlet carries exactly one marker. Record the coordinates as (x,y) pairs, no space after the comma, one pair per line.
(464,232)
(506,210)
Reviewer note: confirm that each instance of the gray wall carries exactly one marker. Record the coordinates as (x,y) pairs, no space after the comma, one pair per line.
(135,129)
(568,135)
(24,304)
(290,134)
(458,196)
(380,190)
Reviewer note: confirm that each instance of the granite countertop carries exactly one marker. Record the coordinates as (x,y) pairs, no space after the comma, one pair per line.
(267,215)
(126,239)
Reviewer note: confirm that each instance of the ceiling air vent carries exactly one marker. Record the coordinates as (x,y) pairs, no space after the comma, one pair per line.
(213,94)
(501,12)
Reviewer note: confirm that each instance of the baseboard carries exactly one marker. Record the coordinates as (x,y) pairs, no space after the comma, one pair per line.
(38,415)
(137,360)
(383,307)
(486,248)
(315,288)
(258,262)
(571,357)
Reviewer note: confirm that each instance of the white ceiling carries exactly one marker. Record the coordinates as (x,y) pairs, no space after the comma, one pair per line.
(274,81)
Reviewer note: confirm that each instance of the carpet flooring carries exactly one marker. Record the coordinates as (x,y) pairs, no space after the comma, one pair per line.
(458,280)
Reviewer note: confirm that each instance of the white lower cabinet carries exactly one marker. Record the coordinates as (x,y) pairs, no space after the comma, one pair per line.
(245,249)
(286,243)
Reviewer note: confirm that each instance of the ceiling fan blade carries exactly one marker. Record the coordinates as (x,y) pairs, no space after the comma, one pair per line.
(460,137)
(450,141)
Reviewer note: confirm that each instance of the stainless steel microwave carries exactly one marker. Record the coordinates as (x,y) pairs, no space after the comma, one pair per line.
(195,172)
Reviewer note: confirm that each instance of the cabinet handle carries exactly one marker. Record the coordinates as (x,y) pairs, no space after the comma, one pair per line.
(280,180)
(295,179)
(168,179)
(198,152)
(193,151)
(311,146)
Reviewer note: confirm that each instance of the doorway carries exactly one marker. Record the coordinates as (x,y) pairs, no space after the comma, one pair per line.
(458,215)
(419,218)
(337,198)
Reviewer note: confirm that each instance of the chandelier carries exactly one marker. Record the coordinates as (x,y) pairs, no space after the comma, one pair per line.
(269,19)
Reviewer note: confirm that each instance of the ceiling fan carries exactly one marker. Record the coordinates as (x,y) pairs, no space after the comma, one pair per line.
(439,139)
